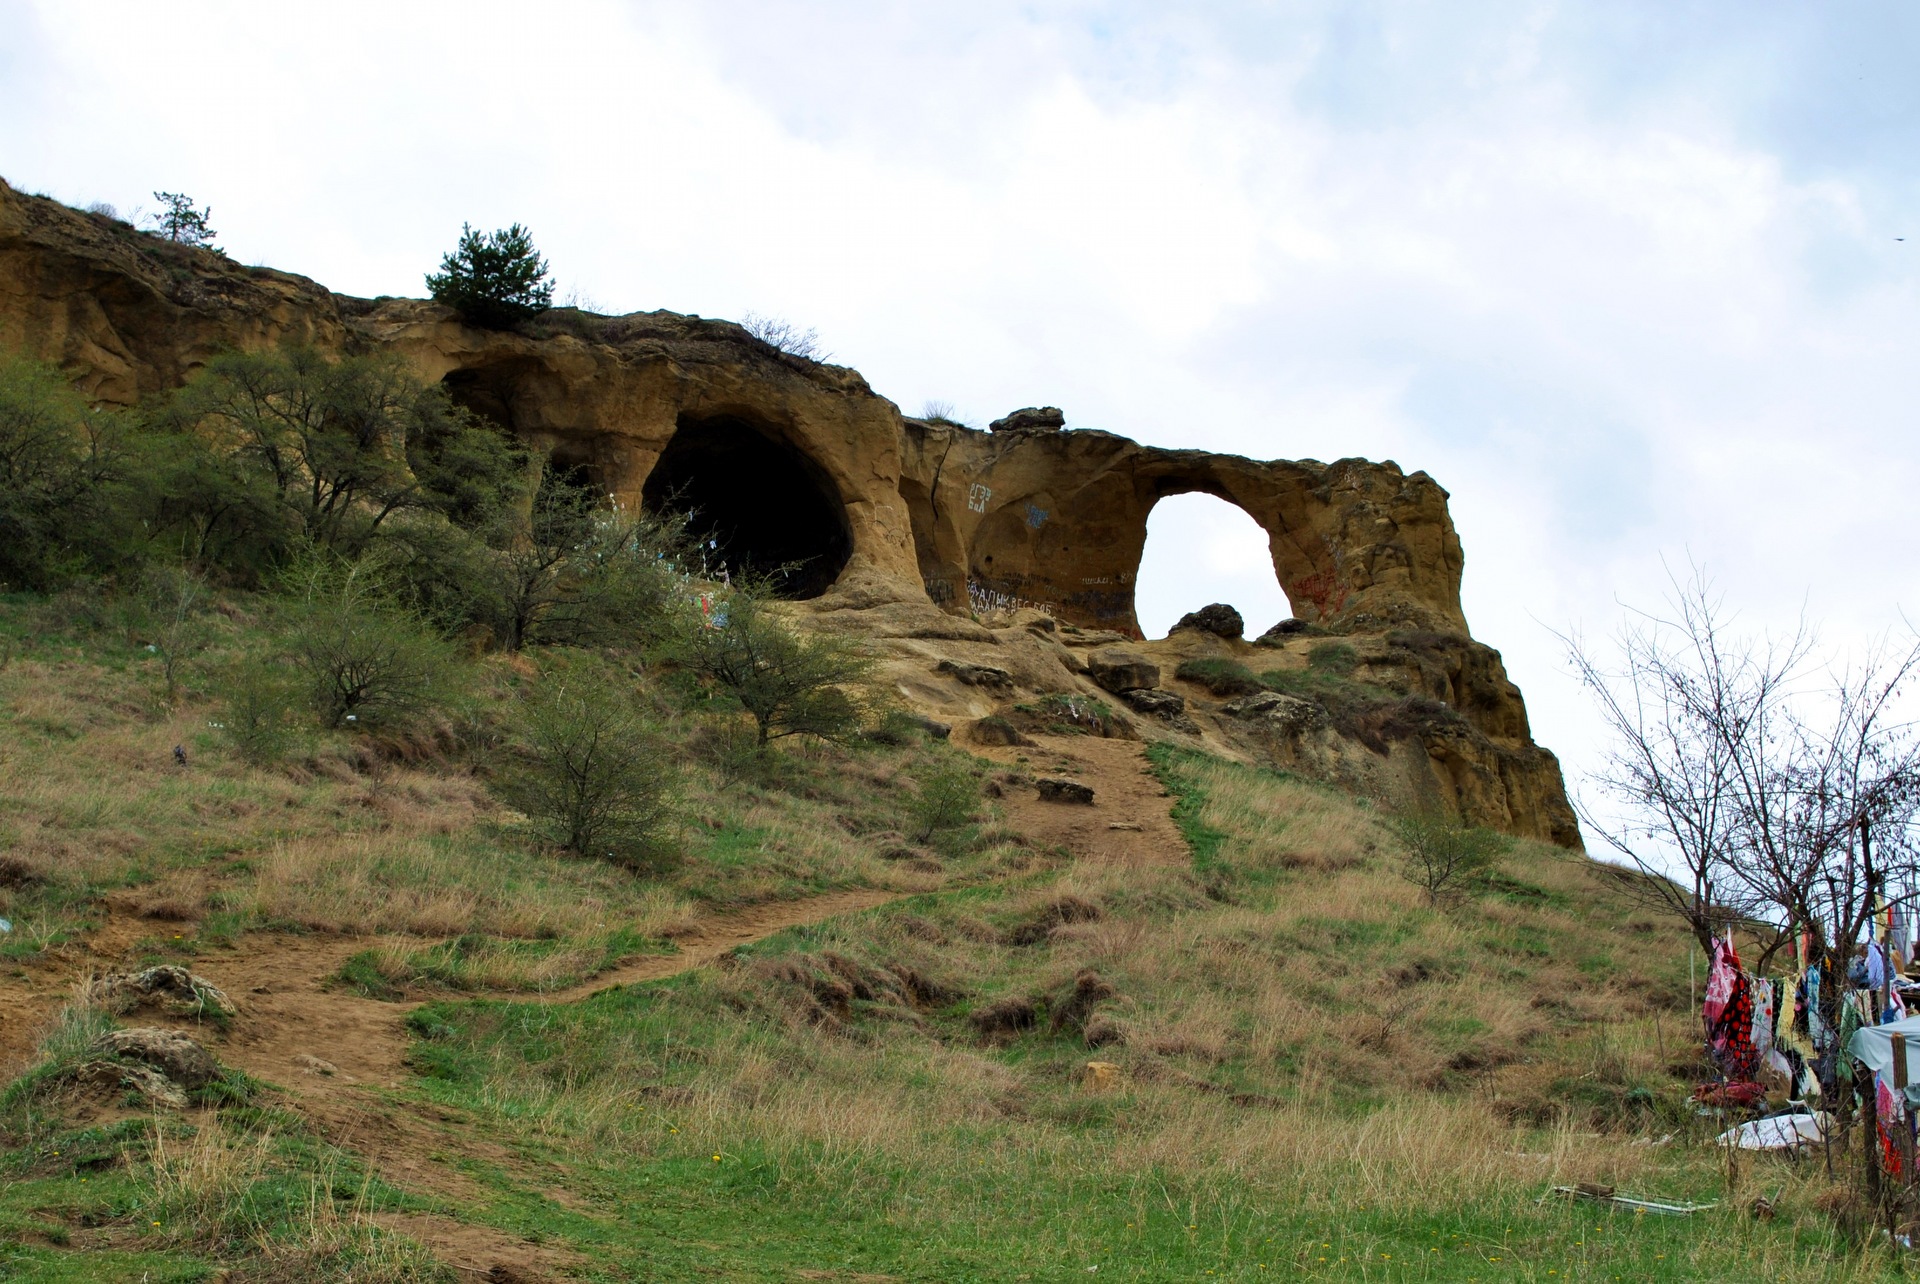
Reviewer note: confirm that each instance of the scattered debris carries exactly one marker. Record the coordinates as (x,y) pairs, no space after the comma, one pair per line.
(1126,825)
(1605,1195)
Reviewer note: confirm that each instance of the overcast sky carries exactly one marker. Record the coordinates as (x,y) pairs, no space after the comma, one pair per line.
(1627,278)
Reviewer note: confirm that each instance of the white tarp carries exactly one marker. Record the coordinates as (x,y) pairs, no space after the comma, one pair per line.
(1782,1132)
(1873,1044)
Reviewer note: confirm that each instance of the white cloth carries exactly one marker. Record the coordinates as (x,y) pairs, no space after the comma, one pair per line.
(1782,1132)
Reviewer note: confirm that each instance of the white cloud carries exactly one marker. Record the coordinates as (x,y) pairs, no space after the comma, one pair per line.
(1562,257)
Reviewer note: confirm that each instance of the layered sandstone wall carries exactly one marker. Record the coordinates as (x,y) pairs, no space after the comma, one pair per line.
(938,517)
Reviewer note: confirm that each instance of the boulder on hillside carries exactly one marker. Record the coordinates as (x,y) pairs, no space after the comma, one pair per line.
(1167,706)
(1032,419)
(1253,705)
(112,1078)
(1284,713)
(172,989)
(1063,791)
(996,730)
(1219,619)
(1155,703)
(1280,632)
(975,675)
(183,1061)
(932,726)
(1118,671)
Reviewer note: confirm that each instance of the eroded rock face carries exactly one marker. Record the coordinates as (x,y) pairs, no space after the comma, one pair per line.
(1118,671)
(1026,513)
(909,531)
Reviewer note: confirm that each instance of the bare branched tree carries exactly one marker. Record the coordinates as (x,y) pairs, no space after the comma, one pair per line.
(1691,711)
(1751,788)
(1827,824)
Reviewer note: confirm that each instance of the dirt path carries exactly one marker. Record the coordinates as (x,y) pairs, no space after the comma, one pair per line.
(291,1017)
(335,1051)
(1129,823)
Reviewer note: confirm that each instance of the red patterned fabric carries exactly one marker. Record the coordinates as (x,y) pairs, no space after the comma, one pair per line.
(1730,1034)
(1730,1094)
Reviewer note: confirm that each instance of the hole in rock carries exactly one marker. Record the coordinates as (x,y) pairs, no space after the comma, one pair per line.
(1201,550)
(492,392)
(759,503)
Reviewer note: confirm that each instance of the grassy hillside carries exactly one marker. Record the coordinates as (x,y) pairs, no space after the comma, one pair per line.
(1306,1069)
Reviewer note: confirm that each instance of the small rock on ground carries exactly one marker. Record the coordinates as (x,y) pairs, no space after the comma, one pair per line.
(1063,791)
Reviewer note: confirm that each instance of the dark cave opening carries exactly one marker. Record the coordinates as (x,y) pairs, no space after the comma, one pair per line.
(761,506)
(488,391)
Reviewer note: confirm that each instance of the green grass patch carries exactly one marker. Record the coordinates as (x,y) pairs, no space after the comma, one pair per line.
(1220,677)
(1189,803)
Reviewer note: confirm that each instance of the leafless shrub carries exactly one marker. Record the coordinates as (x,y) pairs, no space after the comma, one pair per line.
(789,338)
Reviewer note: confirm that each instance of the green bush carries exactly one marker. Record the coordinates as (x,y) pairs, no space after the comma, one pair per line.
(792,683)
(367,659)
(580,572)
(947,797)
(1443,856)
(293,448)
(1219,676)
(59,464)
(588,768)
(493,279)
(257,714)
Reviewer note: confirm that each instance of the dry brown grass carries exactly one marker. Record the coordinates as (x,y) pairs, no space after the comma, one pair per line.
(346,837)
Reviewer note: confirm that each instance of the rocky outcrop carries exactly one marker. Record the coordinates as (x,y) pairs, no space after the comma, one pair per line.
(168,987)
(1032,419)
(1009,552)
(1219,619)
(1119,671)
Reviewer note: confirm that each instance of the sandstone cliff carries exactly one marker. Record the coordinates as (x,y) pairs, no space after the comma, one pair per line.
(907,530)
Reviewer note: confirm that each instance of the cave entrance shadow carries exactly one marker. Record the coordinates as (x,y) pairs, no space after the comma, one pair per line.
(758,505)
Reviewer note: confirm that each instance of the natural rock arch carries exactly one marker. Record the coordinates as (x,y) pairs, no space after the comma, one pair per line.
(759,502)
(1202,549)
(1059,519)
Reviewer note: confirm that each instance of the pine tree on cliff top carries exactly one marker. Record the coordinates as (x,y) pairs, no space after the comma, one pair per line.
(493,279)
